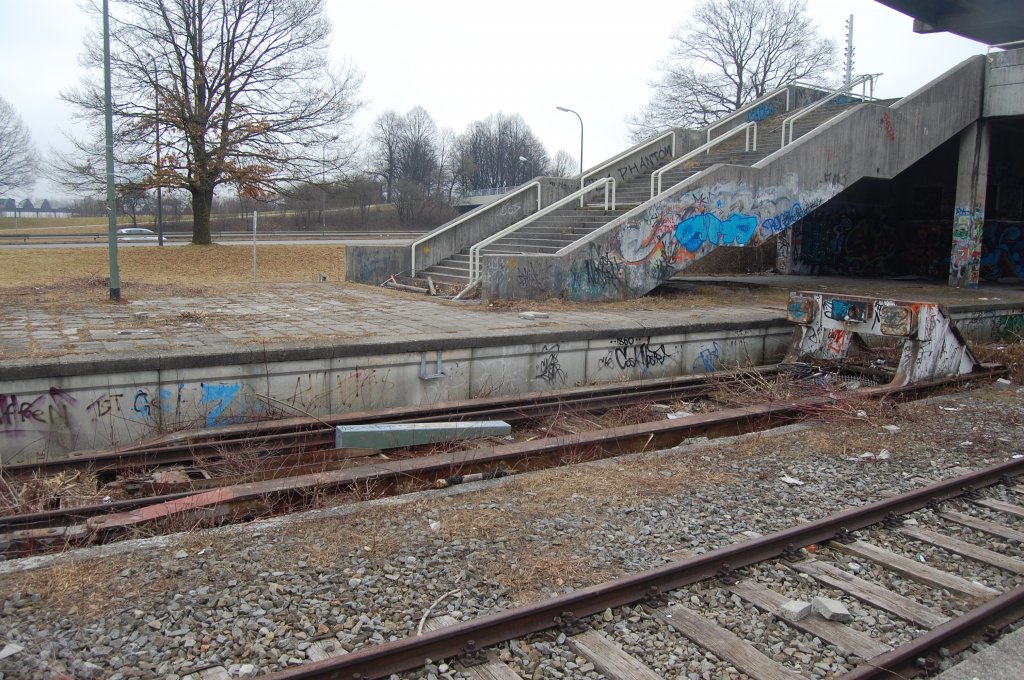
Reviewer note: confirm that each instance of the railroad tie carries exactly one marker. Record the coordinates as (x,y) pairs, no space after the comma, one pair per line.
(724,644)
(872,593)
(847,639)
(492,669)
(917,571)
(609,658)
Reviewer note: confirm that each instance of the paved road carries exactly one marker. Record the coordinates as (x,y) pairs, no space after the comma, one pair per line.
(149,244)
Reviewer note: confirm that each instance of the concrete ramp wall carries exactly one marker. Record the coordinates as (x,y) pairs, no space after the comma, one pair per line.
(735,206)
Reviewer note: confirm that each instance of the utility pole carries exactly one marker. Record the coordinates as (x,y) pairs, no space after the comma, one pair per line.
(115,275)
(849,50)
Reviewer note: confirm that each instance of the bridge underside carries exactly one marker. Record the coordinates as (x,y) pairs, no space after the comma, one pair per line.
(992,22)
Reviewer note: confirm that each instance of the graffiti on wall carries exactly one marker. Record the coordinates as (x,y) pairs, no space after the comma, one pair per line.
(848,239)
(965,255)
(886,122)
(761,112)
(645,164)
(669,236)
(599,274)
(37,413)
(1002,251)
(635,352)
(708,359)
(548,368)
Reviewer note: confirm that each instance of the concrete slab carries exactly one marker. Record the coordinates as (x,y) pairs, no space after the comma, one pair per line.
(1002,661)
(396,435)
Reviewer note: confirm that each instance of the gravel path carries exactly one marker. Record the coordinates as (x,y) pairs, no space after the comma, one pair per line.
(254,598)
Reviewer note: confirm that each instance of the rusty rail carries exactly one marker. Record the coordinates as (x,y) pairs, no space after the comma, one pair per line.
(395,657)
(98,522)
(288,434)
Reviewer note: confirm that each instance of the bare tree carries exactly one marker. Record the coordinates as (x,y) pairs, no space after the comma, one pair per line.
(18,157)
(247,96)
(730,53)
(417,159)
(499,151)
(387,141)
(563,164)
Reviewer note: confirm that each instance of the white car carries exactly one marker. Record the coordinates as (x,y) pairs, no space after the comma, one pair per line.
(136,234)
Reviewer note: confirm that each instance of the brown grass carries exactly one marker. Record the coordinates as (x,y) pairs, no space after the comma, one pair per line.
(27,270)
(1009,354)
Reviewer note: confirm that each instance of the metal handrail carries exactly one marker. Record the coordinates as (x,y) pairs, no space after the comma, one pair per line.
(791,120)
(763,98)
(1004,45)
(628,152)
(474,252)
(473,213)
(657,174)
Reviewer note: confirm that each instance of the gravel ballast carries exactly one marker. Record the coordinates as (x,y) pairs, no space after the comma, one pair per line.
(254,598)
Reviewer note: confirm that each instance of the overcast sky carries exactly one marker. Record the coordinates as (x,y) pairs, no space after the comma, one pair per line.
(462,60)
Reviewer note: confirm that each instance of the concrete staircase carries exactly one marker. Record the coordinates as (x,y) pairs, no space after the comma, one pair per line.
(563,227)
(731,197)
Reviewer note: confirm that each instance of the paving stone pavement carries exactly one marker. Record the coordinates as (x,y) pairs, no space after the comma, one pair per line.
(281,315)
(295,314)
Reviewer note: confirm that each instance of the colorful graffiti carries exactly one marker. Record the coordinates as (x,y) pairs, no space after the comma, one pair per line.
(696,231)
(965,255)
(666,237)
(1002,251)
(761,112)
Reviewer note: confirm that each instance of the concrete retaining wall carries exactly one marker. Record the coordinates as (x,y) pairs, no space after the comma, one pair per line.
(48,410)
(374,264)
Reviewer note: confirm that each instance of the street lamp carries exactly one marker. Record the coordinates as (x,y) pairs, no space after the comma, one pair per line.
(562,108)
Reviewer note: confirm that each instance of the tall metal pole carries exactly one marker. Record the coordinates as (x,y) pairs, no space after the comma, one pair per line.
(849,51)
(115,276)
(562,108)
(159,183)
(323,191)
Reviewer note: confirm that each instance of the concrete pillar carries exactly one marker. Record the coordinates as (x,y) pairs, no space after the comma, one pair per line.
(969,214)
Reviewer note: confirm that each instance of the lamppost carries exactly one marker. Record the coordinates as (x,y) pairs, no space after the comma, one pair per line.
(159,184)
(562,108)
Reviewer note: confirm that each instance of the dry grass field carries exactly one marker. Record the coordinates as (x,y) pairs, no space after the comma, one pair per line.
(145,271)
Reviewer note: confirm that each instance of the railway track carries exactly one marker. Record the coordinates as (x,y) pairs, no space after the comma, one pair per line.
(701,606)
(56,529)
(287,435)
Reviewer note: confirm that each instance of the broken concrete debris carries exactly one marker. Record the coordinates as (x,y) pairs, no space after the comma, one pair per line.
(832,610)
(395,435)
(795,610)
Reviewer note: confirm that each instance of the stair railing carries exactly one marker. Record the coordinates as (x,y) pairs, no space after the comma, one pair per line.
(838,92)
(607,183)
(471,214)
(752,105)
(749,130)
(612,162)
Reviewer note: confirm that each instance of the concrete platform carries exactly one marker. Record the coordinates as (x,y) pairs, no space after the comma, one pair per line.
(93,375)
(1002,661)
